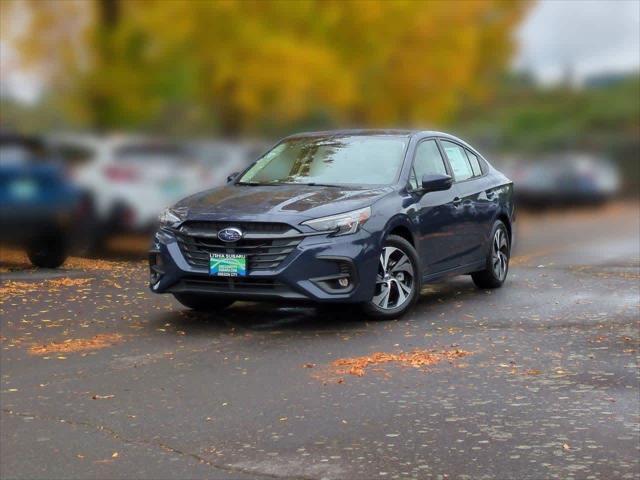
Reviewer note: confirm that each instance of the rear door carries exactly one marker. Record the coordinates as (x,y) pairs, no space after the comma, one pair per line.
(468,191)
(487,199)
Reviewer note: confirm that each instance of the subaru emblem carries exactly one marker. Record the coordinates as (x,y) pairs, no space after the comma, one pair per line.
(230,234)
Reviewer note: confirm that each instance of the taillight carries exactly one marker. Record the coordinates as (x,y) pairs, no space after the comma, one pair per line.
(119,173)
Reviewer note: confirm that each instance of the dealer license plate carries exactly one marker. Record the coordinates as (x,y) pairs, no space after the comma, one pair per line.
(227,265)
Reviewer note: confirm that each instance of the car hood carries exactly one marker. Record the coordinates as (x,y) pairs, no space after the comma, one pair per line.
(277,203)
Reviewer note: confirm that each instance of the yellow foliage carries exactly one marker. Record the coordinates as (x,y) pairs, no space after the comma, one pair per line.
(253,63)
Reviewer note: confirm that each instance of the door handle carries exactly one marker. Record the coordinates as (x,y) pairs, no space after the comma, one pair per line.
(457,201)
(490,194)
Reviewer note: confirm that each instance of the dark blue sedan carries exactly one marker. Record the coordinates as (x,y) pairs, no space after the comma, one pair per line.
(361,217)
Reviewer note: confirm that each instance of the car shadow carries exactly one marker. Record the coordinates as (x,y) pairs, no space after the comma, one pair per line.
(267,317)
(449,290)
(327,320)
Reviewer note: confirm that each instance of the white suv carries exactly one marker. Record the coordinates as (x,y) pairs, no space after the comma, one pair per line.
(132,178)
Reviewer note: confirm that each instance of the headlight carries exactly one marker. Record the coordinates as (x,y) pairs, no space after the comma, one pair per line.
(341,224)
(171,216)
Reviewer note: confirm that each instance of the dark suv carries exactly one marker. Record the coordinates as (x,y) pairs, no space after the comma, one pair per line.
(362,217)
(40,209)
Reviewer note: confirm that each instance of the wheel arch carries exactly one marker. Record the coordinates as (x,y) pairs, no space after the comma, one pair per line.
(401,226)
(504,218)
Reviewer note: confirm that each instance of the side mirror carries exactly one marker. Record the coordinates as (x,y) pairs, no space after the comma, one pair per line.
(436,183)
(232,177)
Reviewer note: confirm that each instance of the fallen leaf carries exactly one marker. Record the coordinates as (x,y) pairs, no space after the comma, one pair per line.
(357,366)
(71,345)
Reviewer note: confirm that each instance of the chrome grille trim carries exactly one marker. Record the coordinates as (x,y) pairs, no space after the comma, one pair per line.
(266,245)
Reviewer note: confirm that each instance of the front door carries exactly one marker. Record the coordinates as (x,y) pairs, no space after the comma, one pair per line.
(433,212)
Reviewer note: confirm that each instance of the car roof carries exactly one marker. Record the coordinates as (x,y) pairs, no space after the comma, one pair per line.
(371,133)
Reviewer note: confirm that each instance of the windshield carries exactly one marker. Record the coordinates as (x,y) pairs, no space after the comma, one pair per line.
(19,152)
(362,160)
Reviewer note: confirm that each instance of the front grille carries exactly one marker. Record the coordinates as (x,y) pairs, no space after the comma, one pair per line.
(265,244)
(212,228)
(238,287)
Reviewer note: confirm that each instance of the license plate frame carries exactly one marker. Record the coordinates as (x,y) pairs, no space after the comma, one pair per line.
(227,265)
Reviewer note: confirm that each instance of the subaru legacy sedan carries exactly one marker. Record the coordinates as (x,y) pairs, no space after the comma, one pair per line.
(357,217)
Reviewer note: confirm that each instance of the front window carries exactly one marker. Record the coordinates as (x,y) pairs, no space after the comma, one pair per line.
(331,160)
(428,161)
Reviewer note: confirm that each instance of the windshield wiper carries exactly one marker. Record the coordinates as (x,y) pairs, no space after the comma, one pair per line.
(255,184)
(310,184)
(314,184)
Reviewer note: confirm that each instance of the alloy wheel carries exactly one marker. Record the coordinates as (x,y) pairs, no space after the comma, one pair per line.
(500,254)
(395,279)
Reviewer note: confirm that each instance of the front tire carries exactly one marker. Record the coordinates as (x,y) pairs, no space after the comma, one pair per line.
(398,280)
(202,303)
(497,263)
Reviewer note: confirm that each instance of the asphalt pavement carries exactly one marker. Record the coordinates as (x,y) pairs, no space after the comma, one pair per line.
(102,379)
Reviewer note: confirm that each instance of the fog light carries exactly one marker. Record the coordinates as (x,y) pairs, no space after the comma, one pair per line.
(343,282)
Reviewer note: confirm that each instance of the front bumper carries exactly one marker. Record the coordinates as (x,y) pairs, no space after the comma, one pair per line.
(311,272)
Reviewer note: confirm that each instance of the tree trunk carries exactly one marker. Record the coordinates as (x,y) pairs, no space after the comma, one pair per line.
(108,18)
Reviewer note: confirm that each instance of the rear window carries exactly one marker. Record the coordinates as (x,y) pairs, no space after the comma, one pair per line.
(458,160)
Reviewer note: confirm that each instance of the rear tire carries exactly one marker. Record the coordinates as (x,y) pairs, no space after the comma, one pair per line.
(202,303)
(48,251)
(497,262)
(398,281)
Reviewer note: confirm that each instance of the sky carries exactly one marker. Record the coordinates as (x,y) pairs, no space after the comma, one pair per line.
(585,37)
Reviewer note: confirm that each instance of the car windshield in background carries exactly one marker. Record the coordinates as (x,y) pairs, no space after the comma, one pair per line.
(153,153)
(20,152)
(334,160)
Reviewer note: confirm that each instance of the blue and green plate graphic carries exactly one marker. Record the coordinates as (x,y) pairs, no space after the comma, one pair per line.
(227,265)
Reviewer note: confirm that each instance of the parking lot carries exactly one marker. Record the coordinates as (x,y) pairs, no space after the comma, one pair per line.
(539,379)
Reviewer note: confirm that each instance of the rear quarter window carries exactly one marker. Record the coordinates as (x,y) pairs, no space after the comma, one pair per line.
(475,163)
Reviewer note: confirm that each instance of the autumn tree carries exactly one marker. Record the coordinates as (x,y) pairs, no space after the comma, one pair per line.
(253,65)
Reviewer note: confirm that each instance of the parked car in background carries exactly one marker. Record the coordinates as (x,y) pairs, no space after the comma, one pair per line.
(40,209)
(131,178)
(568,178)
(361,217)
(221,157)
